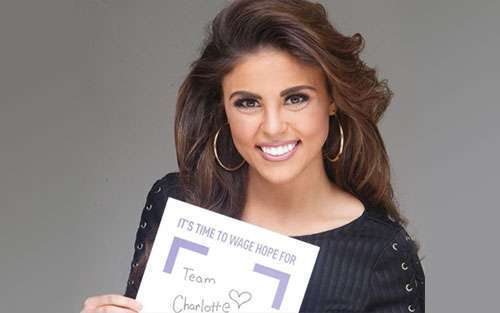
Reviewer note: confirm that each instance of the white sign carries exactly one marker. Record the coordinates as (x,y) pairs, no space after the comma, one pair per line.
(203,261)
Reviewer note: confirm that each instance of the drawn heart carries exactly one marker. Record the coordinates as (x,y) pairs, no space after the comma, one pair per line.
(240,297)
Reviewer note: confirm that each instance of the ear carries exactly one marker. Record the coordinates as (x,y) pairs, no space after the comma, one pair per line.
(332,109)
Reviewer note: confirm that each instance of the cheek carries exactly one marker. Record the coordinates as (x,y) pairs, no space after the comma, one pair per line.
(315,129)
(242,133)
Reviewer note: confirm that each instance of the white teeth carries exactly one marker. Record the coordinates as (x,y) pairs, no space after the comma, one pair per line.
(279,150)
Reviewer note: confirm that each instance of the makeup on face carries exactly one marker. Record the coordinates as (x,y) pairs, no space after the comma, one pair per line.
(278,114)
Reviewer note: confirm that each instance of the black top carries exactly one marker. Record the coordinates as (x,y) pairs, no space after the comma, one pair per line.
(368,265)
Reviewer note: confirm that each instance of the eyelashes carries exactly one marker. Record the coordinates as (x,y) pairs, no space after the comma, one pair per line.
(298,99)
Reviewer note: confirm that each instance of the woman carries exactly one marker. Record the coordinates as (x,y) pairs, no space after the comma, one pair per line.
(276,126)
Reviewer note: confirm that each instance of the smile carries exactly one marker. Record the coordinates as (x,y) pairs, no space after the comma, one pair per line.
(279,153)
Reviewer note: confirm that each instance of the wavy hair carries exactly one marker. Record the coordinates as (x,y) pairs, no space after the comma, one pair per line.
(302,29)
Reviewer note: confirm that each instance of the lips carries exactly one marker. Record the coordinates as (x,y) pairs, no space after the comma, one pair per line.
(282,157)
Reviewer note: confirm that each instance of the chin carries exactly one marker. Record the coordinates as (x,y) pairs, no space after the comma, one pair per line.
(277,176)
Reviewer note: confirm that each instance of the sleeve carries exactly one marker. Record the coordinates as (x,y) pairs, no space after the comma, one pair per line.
(397,279)
(145,235)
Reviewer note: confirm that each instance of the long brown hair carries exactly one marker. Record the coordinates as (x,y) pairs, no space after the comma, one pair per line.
(302,29)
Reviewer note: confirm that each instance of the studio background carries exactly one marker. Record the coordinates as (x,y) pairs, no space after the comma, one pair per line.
(87,103)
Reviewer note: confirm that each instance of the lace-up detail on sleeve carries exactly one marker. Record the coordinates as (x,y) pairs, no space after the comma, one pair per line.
(397,281)
(146,231)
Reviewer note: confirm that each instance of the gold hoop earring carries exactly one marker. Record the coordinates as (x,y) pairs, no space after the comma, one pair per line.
(231,169)
(341,143)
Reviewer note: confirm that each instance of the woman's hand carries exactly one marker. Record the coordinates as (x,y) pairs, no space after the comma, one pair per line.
(111,303)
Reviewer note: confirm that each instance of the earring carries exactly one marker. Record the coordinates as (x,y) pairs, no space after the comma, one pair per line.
(341,141)
(217,157)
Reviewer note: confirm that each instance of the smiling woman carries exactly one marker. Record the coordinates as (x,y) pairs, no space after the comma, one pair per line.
(285,117)
(276,122)
(276,125)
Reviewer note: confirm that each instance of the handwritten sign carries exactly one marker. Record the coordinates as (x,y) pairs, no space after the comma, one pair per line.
(203,261)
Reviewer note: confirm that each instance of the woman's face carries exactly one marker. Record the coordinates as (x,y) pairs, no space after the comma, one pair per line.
(270,98)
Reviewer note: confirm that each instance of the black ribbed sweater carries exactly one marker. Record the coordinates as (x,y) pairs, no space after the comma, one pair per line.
(368,265)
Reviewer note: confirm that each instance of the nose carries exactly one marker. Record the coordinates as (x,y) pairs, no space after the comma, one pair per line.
(274,121)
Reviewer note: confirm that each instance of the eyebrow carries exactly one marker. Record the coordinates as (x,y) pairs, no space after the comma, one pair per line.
(282,93)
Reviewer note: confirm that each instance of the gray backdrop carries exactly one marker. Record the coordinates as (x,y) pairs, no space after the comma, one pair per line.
(87,91)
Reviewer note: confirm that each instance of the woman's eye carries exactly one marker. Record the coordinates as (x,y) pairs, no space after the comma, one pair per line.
(249,103)
(298,98)
(245,103)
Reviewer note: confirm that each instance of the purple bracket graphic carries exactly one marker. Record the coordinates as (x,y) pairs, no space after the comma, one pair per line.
(177,244)
(279,275)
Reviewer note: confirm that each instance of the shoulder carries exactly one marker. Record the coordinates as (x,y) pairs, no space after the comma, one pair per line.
(396,275)
(379,236)
(379,225)
(156,199)
(166,184)
(373,262)
(390,235)
(164,187)
(391,239)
